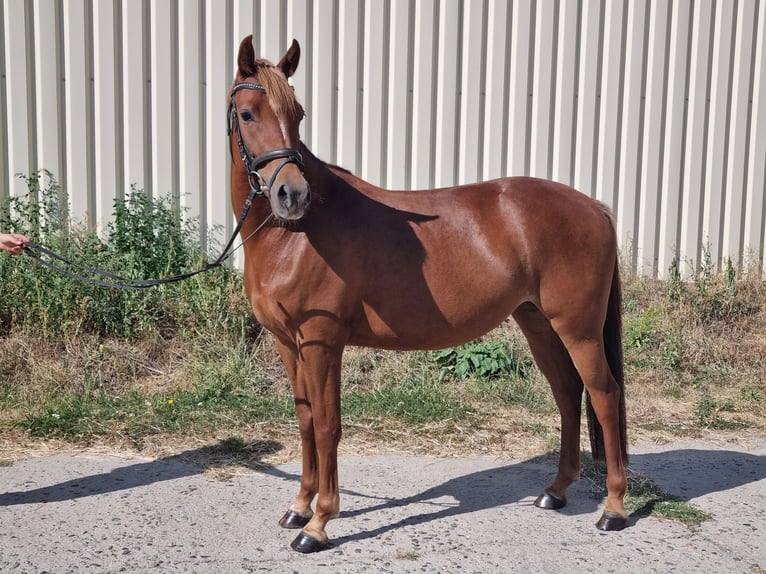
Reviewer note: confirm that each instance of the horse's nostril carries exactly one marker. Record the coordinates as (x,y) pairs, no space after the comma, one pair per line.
(282,194)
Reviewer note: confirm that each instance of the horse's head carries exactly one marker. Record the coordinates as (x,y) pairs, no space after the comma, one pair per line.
(264,116)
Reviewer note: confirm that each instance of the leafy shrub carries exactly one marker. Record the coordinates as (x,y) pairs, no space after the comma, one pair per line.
(485,359)
(147,238)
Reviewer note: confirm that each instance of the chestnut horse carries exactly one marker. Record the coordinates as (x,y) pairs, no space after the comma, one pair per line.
(331,261)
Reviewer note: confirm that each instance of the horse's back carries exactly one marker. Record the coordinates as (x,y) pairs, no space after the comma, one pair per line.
(444,266)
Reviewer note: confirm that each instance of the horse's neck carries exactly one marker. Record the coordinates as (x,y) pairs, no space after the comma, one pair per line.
(331,180)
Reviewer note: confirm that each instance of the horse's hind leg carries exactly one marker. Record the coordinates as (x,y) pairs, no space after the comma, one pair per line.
(555,363)
(586,347)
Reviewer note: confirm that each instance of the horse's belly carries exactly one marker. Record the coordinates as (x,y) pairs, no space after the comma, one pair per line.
(409,326)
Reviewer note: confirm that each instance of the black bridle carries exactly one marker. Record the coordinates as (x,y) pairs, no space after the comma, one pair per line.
(258,184)
(258,187)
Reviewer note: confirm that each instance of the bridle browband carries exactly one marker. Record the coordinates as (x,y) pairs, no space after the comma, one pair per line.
(258,184)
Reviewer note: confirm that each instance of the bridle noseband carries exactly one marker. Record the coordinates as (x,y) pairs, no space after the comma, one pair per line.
(258,184)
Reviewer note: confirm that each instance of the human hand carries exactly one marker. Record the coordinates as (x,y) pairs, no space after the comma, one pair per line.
(13,243)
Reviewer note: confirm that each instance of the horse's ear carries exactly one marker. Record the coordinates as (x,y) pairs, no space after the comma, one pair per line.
(246,57)
(289,62)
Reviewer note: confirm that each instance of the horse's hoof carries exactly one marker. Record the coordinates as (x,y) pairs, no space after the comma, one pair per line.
(611,521)
(293,520)
(549,502)
(306,544)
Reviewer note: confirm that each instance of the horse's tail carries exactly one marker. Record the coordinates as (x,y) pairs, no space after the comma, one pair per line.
(613,350)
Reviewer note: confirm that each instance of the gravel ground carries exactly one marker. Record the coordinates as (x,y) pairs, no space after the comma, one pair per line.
(95,513)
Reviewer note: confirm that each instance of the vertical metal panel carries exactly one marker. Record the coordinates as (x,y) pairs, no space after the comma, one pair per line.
(243,23)
(78,102)
(374,106)
(544,67)
(471,124)
(323,82)
(19,95)
(4,175)
(565,93)
(105,85)
(447,103)
(755,204)
(695,151)
(587,99)
(610,113)
(163,98)
(656,108)
(673,144)
(48,120)
(135,85)
(519,95)
(497,79)
(424,93)
(739,126)
(270,28)
(297,28)
(654,120)
(715,176)
(349,85)
(399,102)
(190,107)
(630,136)
(219,71)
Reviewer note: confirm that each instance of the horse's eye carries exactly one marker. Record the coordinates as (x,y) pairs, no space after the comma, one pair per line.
(246,116)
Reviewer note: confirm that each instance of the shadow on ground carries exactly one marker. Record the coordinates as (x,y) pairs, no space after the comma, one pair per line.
(685,473)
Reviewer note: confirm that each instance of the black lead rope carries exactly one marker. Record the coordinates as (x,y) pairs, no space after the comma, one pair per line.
(46,257)
(40,254)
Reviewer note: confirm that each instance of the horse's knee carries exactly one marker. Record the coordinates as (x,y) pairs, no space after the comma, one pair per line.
(328,436)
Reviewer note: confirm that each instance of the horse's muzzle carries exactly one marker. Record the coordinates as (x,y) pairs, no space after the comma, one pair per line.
(290,201)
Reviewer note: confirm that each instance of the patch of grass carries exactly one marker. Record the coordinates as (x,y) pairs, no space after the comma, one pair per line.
(423,400)
(644,497)
(659,504)
(709,413)
(511,391)
(408,555)
(134,416)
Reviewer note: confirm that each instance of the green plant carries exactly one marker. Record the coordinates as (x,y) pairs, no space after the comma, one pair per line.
(675,285)
(643,331)
(147,238)
(484,359)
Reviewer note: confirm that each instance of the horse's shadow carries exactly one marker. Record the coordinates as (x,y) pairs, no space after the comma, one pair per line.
(185,464)
(687,474)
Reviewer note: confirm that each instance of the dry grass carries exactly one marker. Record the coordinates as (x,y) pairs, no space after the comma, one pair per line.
(694,367)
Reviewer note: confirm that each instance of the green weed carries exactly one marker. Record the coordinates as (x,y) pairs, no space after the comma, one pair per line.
(484,359)
(147,238)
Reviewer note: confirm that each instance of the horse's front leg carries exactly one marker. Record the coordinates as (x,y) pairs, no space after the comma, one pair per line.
(317,400)
(300,512)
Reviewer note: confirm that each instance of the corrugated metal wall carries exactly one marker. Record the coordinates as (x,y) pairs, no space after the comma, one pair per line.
(656,107)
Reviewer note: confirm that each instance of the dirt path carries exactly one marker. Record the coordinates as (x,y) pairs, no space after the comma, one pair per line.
(87,513)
